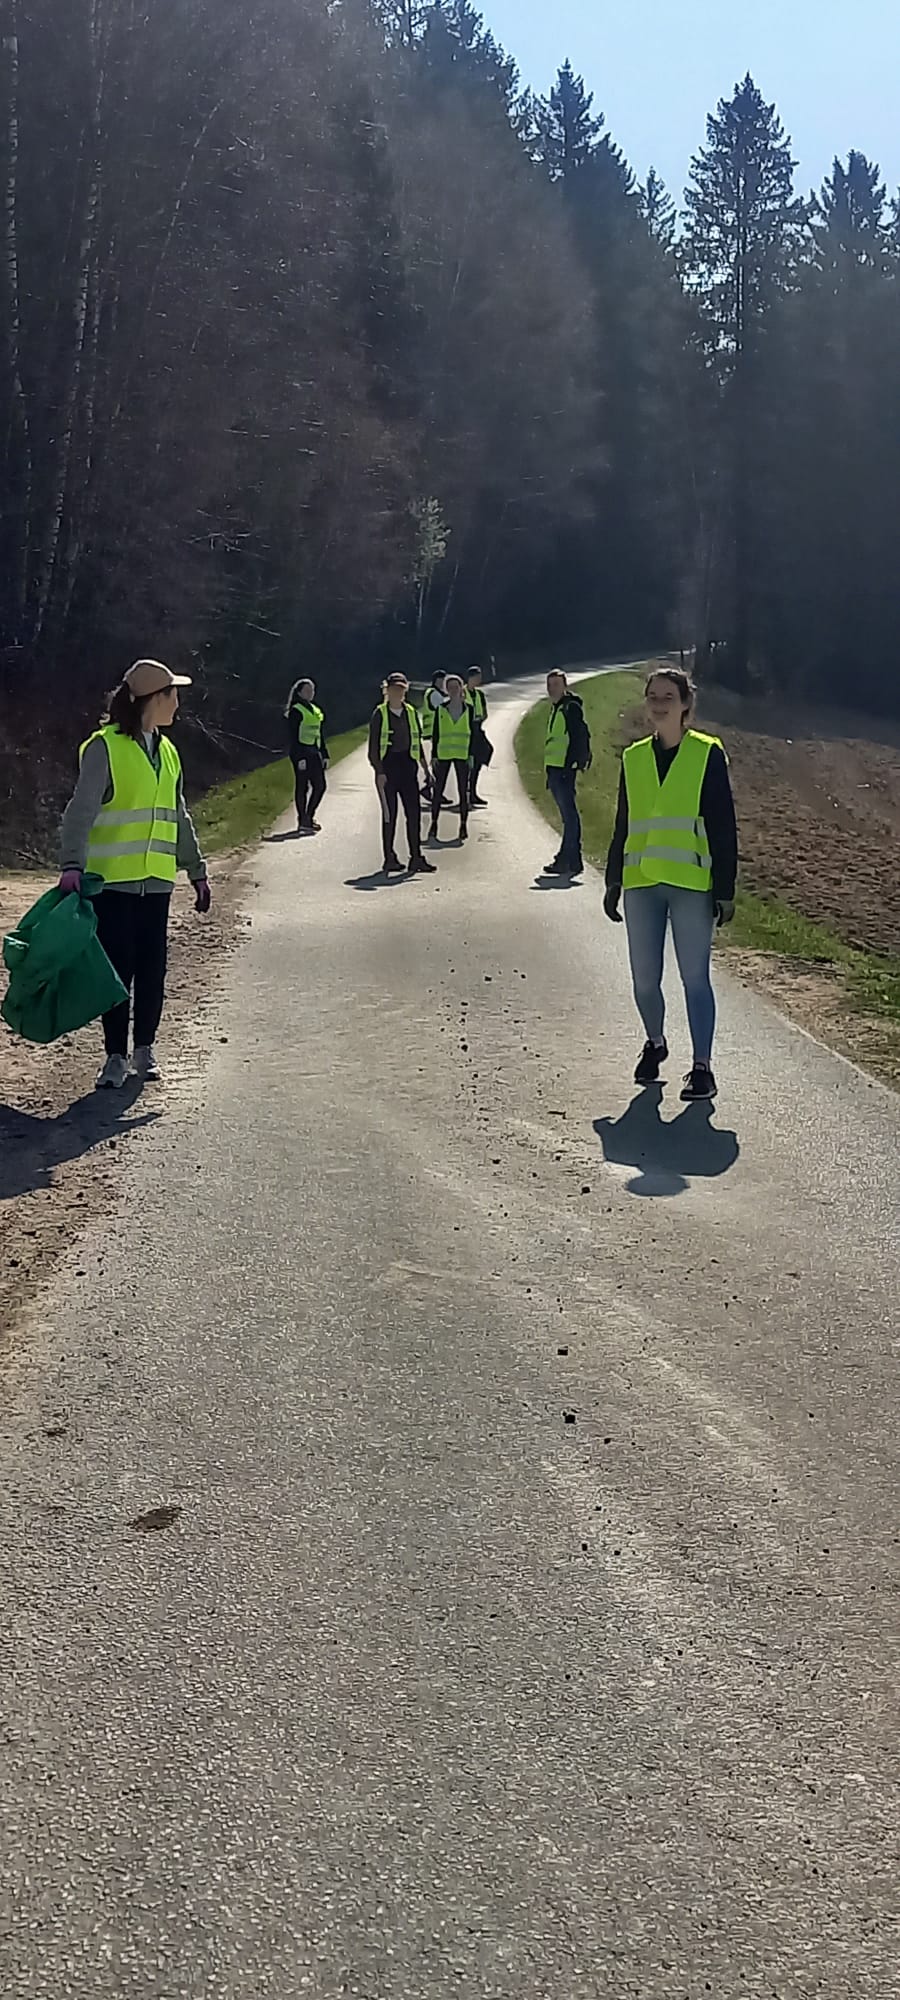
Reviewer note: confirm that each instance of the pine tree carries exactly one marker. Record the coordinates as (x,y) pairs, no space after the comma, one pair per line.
(738,256)
(567,129)
(658,209)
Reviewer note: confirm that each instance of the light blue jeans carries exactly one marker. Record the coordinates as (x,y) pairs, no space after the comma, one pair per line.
(648,913)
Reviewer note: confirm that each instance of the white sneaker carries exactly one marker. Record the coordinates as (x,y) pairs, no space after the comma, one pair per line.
(114,1074)
(146,1066)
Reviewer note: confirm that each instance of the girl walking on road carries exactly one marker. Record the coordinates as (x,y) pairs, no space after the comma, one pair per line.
(674,852)
(127,822)
(308,753)
(395,754)
(454,730)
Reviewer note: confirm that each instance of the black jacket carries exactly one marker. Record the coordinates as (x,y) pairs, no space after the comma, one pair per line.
(717,810)
(578,755)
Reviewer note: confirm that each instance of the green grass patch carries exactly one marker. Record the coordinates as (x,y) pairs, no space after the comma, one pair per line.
(612,704)
(239,811)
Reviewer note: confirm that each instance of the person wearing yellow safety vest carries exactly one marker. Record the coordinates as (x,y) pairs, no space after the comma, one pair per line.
(482,750)
(308,753)
(432,700)
(454,728)
(395,754)
(674,852)
(128,823)
(567,750)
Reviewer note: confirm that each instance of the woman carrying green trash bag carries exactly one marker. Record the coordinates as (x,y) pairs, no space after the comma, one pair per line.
(128,823)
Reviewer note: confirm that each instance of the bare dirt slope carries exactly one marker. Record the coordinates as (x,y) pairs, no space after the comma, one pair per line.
(819,808)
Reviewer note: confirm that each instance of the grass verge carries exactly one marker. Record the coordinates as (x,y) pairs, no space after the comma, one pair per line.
(869,985)
(240,810)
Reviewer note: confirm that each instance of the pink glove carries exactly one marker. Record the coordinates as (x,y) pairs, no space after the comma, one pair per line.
(204,896)
(70,882)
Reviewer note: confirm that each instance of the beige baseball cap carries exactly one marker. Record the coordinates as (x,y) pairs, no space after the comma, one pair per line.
(148,677)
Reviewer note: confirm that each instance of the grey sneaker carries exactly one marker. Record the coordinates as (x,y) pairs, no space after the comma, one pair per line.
(145,1065)
(114,1074)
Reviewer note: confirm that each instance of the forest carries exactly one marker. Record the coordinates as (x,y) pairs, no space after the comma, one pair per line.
(326,345)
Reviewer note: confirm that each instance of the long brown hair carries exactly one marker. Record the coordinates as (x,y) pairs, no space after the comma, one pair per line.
(124,712)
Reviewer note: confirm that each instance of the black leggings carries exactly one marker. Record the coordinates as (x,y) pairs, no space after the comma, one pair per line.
(309,785)
(401,786)
(133,931)
(441,773)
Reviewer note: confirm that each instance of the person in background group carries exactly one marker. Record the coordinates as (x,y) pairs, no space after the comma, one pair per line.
(308,753)
(127,822)
(480,753)
(566,752)
(674,851)
(395,754)
(432,701)
(454,730)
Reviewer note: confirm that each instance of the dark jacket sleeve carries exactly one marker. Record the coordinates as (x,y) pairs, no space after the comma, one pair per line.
(375,742)
(579,736)
(323,740)
(293,724)
(717,807)
(615,860)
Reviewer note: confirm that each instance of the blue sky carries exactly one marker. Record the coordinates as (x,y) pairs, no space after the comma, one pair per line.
(656,68)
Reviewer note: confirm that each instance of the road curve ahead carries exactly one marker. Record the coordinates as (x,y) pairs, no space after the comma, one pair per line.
(451,1547)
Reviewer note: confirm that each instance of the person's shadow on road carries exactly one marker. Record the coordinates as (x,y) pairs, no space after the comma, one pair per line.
(31,1146)
(555,882)
(668,1153)
(377,881)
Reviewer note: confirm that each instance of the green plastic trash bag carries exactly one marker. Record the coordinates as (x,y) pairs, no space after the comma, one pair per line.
(59,975)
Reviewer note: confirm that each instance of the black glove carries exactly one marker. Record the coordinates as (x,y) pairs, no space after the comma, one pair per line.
(724,912)
(611,903)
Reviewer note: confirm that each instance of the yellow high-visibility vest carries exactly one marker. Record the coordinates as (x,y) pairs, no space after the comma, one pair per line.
(556,749)
(453,739)
(415,735)
(666,839)
(311,720)
(135,837)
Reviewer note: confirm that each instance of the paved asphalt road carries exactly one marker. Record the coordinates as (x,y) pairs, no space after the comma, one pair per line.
(426,1690)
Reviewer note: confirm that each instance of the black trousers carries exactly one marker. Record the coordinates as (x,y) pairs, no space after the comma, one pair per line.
(441,773)
(401,787)
(133,931)
(477,764)
(309,785)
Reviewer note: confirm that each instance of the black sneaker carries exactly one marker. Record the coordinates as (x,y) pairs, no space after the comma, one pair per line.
(648,1068)
(422,867)
(699,1085)
(463,831)
(553,868)
(394,866)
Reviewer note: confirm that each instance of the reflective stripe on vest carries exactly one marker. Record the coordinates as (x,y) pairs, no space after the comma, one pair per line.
(415,734)
(557,746)
(453,738)
(311,720)
(666,840)
(135,837)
